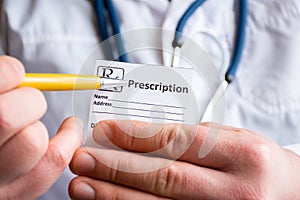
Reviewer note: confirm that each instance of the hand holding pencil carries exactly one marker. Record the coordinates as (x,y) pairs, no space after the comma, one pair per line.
(30,161)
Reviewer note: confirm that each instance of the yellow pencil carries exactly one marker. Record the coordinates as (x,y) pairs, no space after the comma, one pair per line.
(62,82)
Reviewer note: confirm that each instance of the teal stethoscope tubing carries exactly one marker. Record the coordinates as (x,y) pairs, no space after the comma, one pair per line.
(102,5)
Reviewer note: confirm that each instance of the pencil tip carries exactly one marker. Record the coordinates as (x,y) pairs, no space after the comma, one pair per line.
(113,82)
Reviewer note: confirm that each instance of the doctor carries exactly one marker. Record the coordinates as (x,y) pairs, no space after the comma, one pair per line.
(56,36)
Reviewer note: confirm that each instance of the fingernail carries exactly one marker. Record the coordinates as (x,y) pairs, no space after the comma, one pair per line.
(84,163)
(102,133)
(79,126)
(83,191)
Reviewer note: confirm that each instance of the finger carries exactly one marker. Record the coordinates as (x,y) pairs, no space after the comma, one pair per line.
(177,179)
(201,145)
(18,109)
(143,137)
(59,153)
(20,154)
(87,188)
(225,127)
(11,73)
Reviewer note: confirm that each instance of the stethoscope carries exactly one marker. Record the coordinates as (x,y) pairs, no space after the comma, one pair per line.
(106,5)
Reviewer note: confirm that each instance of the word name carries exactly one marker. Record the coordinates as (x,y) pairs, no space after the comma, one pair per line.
(101,103)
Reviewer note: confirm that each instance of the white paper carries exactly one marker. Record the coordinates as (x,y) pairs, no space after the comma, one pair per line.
(156,94)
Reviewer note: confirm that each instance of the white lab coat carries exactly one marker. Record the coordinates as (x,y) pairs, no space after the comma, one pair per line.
(57,36)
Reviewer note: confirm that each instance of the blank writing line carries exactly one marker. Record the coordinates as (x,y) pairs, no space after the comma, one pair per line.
(136,102)
(176,120)
(157,111)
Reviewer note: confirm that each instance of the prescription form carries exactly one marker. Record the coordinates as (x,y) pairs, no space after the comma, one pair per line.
(156,94)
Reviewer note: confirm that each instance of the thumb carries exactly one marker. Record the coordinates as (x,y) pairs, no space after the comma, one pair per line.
(59,153)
